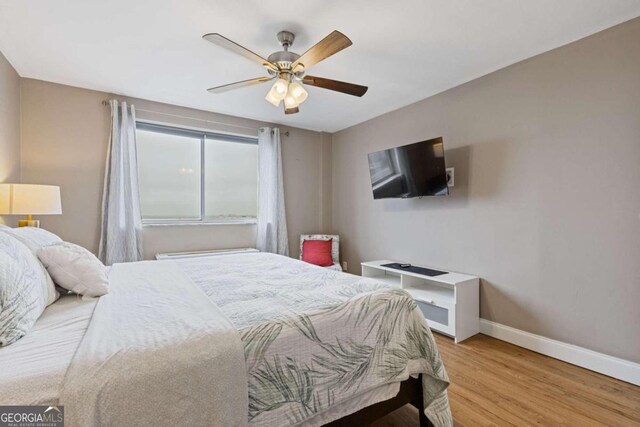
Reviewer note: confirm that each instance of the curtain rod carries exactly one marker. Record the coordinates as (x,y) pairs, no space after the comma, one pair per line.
(105,102)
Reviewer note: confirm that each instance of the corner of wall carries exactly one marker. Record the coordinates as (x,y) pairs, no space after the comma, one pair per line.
(20,122)
(10,128)
(326,186)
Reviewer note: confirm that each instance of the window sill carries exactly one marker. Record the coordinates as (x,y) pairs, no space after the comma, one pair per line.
(247,221)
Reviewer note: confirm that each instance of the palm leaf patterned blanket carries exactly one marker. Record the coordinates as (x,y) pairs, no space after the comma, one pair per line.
(320,344)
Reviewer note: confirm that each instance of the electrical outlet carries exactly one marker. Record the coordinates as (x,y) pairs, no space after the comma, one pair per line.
(450,177)
(344,265)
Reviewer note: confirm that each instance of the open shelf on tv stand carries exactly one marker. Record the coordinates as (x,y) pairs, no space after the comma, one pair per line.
(449,301)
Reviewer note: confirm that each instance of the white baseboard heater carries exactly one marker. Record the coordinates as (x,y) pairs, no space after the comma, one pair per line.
(212,252)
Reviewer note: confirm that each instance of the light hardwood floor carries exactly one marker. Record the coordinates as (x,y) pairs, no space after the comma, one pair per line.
(496,383)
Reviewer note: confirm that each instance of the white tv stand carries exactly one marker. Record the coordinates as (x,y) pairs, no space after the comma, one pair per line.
(450,302)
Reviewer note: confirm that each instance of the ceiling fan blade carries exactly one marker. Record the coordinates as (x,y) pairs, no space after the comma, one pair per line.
(330,45)
(291,110)
(238,85)
(338,86)
(224,42)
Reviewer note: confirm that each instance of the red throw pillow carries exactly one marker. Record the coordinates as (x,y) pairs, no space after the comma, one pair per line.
(317,252)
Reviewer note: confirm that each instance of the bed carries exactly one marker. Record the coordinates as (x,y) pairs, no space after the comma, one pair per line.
(255,339)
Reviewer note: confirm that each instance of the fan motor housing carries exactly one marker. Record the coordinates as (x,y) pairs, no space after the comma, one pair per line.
(283,59)
(286,38)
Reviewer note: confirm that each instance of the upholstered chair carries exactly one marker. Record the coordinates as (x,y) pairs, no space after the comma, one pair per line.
(335,247)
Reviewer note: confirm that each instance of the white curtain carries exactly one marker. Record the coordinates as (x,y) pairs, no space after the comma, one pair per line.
(121,236)
(272,221)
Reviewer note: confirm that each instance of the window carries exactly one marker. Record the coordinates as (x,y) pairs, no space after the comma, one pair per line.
(380,166)
(194,176)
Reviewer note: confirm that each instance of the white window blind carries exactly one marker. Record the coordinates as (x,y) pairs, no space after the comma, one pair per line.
(194,176)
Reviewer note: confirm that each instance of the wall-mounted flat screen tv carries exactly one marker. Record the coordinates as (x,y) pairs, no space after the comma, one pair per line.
(412,170)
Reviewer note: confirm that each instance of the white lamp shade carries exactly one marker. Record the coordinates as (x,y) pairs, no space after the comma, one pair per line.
(30,199)
(273,99)
(280,87)
(277,92)
(290,102)
(297,91)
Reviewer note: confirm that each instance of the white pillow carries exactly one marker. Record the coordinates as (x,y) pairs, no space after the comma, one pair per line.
(75,268)
(23,289)
(34,239)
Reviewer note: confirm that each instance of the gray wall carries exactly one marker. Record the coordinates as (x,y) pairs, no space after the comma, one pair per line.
(9,127)
(546,206)
(64,142)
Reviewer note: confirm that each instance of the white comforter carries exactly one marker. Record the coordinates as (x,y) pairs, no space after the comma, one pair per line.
(320,344)
(158,352)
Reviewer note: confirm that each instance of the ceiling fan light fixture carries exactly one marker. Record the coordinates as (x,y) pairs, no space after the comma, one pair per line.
(290,102)
(277,92)
(280,87)
(297,91)
(272,99)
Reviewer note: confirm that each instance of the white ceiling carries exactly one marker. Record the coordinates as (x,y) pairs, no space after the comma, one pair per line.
(404,50)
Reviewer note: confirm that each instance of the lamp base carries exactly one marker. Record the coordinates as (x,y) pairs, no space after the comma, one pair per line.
(29,222)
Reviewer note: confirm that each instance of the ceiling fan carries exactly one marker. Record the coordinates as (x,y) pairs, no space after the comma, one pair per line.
(289,69)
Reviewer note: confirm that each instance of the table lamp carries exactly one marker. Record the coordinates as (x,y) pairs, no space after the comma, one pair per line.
(29,199)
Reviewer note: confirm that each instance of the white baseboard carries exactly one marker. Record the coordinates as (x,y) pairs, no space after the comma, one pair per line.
(608,365)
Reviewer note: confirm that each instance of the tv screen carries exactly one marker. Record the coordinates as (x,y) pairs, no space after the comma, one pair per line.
(412,170)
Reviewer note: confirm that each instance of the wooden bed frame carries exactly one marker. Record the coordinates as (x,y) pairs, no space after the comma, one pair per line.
(410,392)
